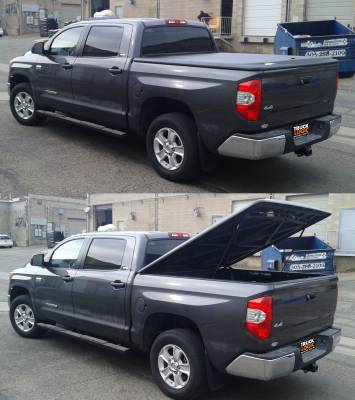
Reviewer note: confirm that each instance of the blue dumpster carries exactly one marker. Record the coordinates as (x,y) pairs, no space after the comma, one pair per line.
(317,39)
(299,254)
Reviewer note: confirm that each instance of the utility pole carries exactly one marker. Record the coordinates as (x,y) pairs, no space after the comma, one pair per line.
(158,8)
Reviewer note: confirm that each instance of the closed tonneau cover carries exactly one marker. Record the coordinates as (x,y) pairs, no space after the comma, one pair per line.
(238,61)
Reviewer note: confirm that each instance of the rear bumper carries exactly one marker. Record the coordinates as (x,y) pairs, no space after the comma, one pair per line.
(283,361)
(279,141)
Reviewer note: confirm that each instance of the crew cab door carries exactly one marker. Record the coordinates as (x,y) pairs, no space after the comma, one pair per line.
(100,288)
(54,285)
(53,87)
(99,75)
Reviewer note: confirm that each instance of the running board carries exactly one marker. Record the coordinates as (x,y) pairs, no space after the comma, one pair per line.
(80,122)
(86,338)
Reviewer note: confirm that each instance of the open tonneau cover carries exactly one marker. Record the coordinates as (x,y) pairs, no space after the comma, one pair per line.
(238,61)
(238,236)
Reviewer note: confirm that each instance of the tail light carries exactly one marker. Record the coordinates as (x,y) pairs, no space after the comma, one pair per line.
(259,317)
(176,21)
(179,235)
(248,102)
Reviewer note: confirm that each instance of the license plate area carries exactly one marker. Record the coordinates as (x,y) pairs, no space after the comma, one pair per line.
(301,130)
(307,345)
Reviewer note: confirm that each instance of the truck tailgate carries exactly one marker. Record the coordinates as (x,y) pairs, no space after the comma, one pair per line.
(297,95)
(303,307)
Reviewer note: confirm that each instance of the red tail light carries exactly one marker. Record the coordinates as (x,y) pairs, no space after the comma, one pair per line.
(176,22)
(259,317)
(249,99)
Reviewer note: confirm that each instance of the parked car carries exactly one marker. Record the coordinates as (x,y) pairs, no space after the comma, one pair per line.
(1,32)
(183,301)
(6,241)
(166,81)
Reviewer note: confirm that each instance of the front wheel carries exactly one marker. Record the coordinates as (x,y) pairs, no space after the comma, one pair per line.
(23,318)
(23,105)
(172,147)
(177,364)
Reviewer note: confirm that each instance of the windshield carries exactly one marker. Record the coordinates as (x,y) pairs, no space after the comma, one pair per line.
(176,39)
(158,247)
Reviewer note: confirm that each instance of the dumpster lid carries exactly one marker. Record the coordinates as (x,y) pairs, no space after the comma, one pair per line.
(237,236)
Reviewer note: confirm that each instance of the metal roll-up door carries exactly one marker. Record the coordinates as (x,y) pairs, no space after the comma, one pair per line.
(342,10)
(261,17)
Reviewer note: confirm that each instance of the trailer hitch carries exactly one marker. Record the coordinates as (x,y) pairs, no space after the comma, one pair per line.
(304,151)
(310,368)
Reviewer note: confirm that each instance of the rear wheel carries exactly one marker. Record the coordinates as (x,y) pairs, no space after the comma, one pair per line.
(177,364)
(23,106)
(172,147)
(23,318)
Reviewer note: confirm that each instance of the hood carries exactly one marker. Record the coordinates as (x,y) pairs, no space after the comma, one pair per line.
(238,236)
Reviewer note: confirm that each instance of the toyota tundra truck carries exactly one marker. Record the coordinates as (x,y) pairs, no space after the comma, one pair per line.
(184,301)
(165,81)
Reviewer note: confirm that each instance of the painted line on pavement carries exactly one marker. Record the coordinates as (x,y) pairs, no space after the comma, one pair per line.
(345,351)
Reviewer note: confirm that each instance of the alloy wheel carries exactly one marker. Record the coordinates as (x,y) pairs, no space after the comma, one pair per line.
(168,148)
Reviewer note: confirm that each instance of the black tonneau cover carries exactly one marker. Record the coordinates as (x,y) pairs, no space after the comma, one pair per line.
(240,235)
(238,61)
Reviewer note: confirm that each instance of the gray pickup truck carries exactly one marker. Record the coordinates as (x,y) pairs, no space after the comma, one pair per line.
(184,301)
(165,81)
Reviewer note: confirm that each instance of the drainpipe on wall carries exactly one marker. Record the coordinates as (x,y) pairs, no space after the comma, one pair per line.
(28,221)
(158,8)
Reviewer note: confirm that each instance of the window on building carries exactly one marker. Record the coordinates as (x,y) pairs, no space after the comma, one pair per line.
(66,256)
(66,43)
(105,254)
(103,41)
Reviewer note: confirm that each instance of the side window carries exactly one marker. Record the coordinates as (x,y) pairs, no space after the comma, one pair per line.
(105,254)
(66,256)
(65,43)
(103,41)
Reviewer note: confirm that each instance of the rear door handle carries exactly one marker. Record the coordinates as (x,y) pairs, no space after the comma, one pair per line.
(67,66)
(118,284)
(115,70)
(67,278)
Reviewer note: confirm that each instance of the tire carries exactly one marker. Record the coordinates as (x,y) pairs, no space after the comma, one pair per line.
(20,303)
(192,385)
(183,135)
(29,115)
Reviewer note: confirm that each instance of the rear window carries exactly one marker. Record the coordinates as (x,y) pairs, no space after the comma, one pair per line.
(4,237)
(176,39)
(158,247)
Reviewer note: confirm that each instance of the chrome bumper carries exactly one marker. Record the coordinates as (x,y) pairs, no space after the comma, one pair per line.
(275,143)
(283,361)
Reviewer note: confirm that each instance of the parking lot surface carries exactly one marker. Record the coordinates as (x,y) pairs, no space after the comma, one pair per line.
(61,159)
(55,367)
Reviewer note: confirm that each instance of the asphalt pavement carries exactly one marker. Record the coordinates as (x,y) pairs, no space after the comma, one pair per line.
(60,159)
(55,367)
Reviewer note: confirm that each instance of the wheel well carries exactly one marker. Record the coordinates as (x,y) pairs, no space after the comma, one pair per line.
(161,322)
(16,79)
(16,292)
(152,108)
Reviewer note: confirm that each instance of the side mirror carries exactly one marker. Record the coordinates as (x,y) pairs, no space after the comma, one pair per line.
(38,48)
(38,260)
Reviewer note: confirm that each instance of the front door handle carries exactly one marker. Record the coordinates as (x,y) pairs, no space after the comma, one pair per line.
(67,278)
(115,70)
(67,66)
(118,284)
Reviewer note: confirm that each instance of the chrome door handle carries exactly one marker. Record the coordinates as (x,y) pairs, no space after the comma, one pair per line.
(115,70)
(118,284)
(67,278)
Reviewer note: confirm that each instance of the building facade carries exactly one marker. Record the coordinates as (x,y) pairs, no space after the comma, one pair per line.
(22,16)
(247,25)
(27,220)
